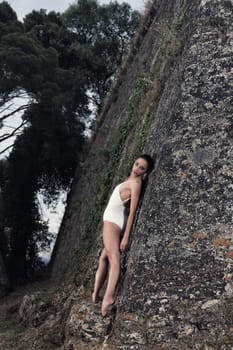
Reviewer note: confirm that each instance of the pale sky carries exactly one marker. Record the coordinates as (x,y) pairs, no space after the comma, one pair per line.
(23,7)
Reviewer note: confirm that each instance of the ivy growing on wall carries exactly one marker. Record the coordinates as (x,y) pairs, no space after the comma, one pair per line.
(116,154)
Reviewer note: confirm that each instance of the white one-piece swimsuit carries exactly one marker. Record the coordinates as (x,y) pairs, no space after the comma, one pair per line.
(116,212)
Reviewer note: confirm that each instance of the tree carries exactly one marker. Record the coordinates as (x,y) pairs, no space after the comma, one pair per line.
(45,154)
(8,20)
(30,70)
(103,33)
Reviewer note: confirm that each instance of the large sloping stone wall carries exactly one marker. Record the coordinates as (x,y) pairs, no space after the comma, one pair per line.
(178,288)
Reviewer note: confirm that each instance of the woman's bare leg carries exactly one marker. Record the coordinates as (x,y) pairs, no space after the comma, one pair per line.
(111,238)
(100,275)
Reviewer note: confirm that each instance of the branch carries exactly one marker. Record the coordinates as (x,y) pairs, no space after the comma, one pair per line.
(6,108)
(21,108)
(6,97)
(7,136)
(8,147)
(93,99)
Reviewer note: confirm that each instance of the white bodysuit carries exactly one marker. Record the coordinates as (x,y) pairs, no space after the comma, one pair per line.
(116,212)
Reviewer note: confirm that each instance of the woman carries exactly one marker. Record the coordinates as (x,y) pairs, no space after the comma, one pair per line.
(116,220)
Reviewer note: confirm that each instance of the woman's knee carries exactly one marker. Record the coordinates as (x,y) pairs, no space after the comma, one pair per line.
(113,255)
(103,256)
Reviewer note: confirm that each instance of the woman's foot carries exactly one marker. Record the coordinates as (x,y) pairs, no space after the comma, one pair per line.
(106,306)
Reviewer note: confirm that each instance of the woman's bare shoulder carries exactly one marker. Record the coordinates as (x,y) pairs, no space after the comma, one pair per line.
(135,184)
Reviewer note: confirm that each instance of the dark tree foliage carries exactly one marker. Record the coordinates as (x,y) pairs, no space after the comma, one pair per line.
(103,34)
(57,61)
(22,221)
(8,20)
(3,172)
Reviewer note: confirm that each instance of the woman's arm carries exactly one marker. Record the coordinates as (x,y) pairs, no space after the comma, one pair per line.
(135,194)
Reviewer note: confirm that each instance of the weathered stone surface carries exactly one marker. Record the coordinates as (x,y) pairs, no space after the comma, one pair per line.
(86,327)
(177,287)
(179,271)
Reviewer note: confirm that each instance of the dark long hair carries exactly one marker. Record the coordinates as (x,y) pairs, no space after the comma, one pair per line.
(151,164)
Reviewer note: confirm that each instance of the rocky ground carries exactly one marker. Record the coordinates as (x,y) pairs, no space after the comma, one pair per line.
(22,312)
(11,328)
(44,317)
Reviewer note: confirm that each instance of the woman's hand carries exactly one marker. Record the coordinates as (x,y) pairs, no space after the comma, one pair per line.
(124,244)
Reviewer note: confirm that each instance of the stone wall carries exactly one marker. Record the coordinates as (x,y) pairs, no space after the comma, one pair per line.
(176,290)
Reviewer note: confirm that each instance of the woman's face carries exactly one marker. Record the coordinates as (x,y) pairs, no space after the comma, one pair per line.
(140,167)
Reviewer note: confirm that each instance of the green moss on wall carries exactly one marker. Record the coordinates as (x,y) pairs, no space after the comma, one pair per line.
(115,157)
(170,43)
(178,20)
